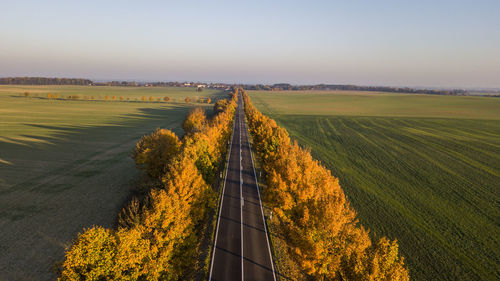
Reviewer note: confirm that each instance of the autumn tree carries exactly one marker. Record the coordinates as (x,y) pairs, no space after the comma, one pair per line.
(187,100)
(195,120)
(220,105)
(166,99)
(91,257)
(153,152)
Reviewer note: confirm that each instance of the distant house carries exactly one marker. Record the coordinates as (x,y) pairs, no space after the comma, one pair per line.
(201,85)
(187,84)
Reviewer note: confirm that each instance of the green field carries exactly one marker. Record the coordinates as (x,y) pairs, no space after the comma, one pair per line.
(423,169)
(65,165)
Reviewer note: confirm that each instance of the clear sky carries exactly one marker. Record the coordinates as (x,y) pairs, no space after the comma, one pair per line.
(449,43)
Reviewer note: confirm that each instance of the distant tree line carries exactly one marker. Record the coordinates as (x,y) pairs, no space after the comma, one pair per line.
(330,87)
(258,87)
(43,81)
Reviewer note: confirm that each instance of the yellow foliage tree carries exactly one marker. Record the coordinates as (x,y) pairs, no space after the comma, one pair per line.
(195,121)
(153,152)
(91,257)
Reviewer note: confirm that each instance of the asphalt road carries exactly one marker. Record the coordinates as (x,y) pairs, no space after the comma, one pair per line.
(242,249)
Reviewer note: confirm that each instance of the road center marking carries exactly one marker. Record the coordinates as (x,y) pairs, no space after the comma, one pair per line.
(241,196)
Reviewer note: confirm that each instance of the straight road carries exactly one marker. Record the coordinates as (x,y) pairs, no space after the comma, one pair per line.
(242,250)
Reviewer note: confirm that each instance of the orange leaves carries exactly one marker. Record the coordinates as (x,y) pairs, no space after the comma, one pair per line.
(319,226)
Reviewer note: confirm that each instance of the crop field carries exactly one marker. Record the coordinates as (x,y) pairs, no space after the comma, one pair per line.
(65,165)
(423,169)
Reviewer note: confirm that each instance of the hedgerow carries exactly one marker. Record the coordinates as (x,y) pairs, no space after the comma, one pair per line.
(158,237)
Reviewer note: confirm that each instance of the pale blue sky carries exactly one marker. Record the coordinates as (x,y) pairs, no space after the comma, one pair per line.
(402,43)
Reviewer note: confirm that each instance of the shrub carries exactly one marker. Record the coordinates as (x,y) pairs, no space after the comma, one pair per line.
(27,94)
(187,100)
(151,98)
(166,99)
(49,96)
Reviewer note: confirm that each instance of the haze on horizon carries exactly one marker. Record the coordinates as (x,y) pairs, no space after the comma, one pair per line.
(397,43)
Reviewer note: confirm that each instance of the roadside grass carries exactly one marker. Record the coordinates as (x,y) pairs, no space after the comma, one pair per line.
(432,183)
(65,166)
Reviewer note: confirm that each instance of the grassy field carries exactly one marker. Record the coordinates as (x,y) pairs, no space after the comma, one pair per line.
(65,165)
(423,169)
(176,94)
